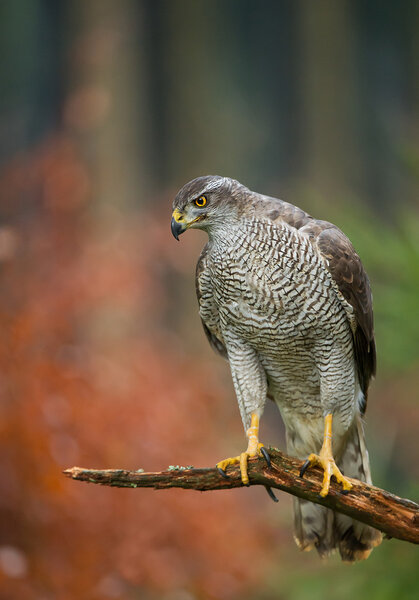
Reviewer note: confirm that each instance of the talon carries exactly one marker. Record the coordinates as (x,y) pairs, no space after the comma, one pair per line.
(222,473)
(271,494)
(223,464)
(266,456)
(304,468)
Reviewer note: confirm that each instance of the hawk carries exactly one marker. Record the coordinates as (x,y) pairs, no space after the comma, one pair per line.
(285,298)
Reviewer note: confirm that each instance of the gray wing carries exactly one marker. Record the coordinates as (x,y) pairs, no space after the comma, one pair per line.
(349,274)
(347,270)
(207,307)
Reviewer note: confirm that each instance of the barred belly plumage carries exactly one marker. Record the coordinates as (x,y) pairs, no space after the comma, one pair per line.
(274,292)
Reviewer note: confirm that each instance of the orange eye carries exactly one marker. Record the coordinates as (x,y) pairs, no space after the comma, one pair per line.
(201,201)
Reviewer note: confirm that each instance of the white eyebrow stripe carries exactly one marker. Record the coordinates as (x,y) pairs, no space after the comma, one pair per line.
(214,184)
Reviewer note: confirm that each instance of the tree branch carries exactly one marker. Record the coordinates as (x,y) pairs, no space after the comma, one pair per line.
(394,516)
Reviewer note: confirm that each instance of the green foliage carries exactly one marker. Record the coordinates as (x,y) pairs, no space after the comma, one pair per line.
(389,573)
(391,257)
(390,253)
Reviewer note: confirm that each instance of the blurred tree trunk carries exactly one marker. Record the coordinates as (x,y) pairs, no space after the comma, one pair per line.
(327,90)
(206,106)
(28,85)
(106,113)
(107,79)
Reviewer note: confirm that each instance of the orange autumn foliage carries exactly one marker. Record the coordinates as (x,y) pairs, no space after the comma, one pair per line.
(91,374)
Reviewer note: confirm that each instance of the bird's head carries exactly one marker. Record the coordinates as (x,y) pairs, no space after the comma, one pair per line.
(204,202)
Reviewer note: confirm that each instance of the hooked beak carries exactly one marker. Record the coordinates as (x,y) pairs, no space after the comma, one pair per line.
(178,224)
(177,228)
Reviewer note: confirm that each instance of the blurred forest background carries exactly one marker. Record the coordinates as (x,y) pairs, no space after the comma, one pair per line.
(106,109)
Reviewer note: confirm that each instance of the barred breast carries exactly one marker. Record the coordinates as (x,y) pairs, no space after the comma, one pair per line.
(271,288)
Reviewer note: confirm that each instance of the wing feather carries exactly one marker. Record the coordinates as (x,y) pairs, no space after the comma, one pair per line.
(207,307)
(349,275)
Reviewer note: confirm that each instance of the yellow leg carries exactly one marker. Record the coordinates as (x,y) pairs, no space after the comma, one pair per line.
(253,449)
(326,461)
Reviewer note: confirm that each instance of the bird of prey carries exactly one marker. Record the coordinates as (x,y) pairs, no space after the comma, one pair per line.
(285,298)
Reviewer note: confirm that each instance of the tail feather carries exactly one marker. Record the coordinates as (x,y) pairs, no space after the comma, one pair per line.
(319,527)
(356,540)
(313,527)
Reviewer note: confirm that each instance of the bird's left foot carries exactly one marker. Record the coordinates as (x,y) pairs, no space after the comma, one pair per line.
(326,461)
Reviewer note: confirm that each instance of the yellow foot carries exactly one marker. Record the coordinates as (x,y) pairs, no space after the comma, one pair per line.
(327,463)
(242,459)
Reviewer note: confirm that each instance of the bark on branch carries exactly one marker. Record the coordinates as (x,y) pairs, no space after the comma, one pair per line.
(394,516)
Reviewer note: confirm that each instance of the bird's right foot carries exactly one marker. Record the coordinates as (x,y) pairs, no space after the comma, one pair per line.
(254,448)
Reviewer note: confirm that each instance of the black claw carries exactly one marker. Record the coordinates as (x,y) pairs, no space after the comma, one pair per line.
(266,456)
(271,494)
(222,473)
(304,468)
(345,492)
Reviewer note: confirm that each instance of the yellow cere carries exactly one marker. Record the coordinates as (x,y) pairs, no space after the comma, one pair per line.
(177,215)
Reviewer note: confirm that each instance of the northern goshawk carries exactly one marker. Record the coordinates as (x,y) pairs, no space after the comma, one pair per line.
(285,298)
